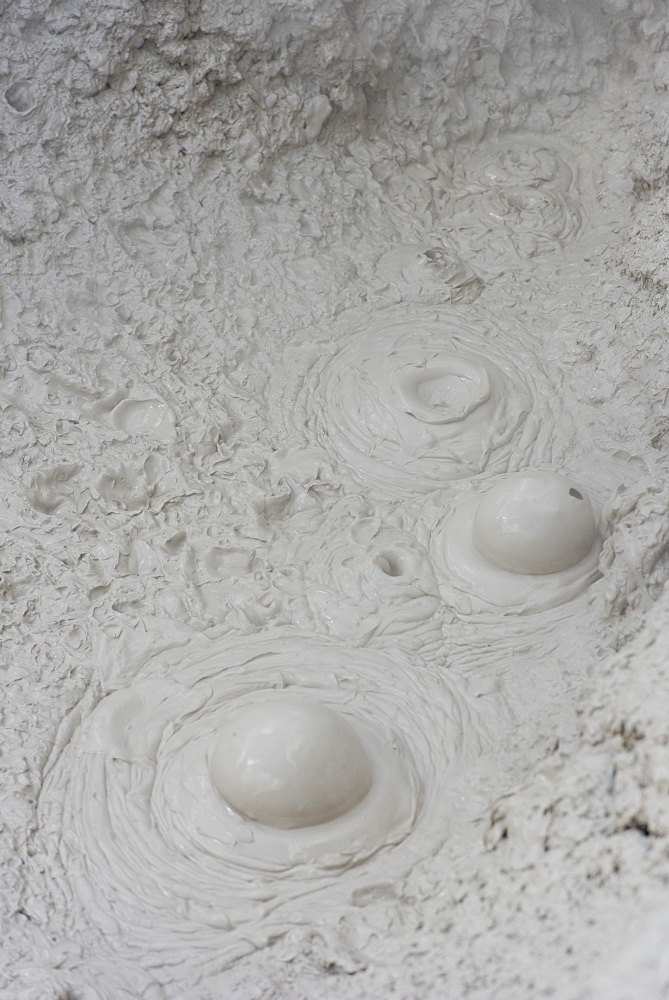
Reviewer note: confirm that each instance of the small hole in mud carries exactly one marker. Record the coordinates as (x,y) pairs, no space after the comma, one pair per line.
(19,97)
(575,494)
(390,564)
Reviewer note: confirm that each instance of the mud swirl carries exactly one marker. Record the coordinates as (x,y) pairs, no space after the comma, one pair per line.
(524,188)
(417,398)
(163,864)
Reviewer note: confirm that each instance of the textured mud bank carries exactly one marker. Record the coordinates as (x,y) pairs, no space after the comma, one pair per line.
(289,290)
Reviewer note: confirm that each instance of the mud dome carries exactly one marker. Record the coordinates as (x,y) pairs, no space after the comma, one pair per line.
(304,305)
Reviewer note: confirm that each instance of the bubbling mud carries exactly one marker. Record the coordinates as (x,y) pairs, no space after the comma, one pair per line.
(418,398)
(228,784)
(313,400)
(534,523)
(524,189)
(289,763)
(529,543)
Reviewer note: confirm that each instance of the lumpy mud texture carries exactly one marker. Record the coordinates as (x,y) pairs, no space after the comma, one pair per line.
(288,289)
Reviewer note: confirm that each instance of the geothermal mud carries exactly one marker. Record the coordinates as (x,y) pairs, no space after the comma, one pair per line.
(281,360)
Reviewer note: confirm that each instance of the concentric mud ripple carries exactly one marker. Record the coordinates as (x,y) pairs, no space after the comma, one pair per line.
(162,864)
(472,585)
(419,397)
(525,187)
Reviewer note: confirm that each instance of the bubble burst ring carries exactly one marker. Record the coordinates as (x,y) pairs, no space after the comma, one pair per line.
(419,397)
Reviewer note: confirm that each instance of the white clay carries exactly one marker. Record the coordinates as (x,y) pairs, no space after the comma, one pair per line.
(297,296)
(525,191)
(529,543)
(290,763)
(149,417)
(419,397)
(429,272)
(363,577)
(534,522)
(364,746)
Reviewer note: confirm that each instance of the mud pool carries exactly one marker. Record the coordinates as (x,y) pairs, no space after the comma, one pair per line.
(334,398)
